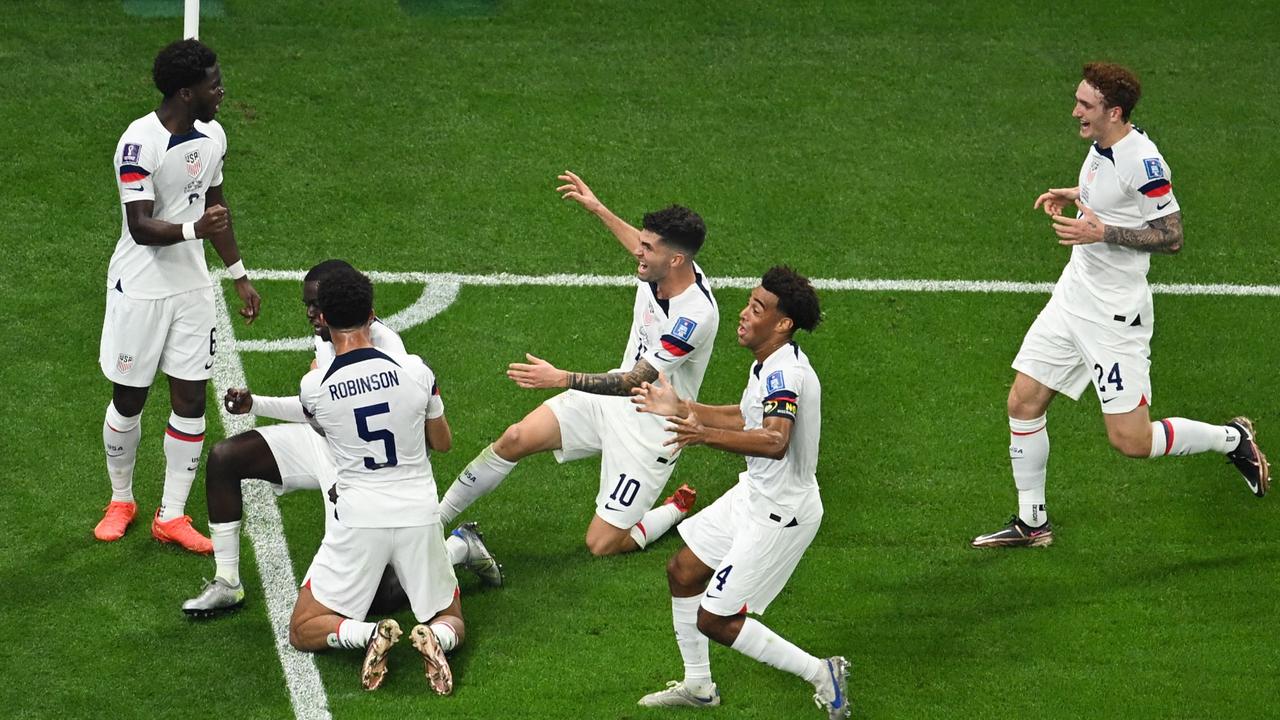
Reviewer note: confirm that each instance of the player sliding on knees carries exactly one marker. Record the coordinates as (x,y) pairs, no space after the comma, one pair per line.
(742,549)
(673,328)
(292,456)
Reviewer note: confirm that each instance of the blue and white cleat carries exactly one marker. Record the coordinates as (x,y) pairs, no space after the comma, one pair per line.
(479,560)
(833,690)
(677,695)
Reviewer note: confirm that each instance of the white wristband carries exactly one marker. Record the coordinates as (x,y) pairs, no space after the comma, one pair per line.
(189,231)
(236,270)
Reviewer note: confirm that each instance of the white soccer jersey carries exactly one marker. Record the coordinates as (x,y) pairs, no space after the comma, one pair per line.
(372,408)
(674,335)
(785,385)
(176,172)
(384,338)
(1126,185)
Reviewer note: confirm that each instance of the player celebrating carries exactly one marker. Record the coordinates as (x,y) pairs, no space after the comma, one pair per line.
(159,312)
(742,549)
(381,416)
(672,330)
(1097,326)
(291,456)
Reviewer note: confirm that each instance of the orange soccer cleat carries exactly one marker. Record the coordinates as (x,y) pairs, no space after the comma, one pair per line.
(115,521)
(179,530)
(683,498)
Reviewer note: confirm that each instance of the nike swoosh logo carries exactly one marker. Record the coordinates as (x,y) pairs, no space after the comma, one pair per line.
(839,701)
(607,506)
(1161,207)
(134,188)
(663,358)
(1104,402)
(208,365)
(712,596)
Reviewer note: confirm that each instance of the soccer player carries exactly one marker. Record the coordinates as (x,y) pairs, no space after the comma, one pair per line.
(291,456)
(1096,329)
(381,415)
(672,330)
(160,298)
(742,549)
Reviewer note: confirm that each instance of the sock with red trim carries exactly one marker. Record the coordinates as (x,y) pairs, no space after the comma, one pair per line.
(120,437)
(1029,456)
(759,642)
(1180,436)
(351,635)
(655,524)
(183,443)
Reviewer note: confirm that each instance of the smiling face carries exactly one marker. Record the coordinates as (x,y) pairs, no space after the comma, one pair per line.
(1097,121)
(654,258)
(761,322)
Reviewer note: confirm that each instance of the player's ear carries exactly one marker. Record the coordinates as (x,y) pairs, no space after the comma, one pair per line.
(786,325)
(372,316)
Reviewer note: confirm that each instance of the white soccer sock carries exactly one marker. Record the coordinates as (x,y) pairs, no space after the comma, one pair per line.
(183,442)
(693,644)
(351,635)
(120,437)
(759,642)
(486,472)
(457,549)
(226,550)
(1029,456)
(1180,436)
(656,523)
(445,635)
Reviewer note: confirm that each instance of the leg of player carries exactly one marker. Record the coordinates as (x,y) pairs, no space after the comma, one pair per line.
(604,539)
(436,637)
(537,432)
(121,431)
(1028,403)
(1134,435)
(687,577)
(314,627)
(183,443)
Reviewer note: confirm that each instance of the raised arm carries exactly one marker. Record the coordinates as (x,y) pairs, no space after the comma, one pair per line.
(575,189)
(540,374)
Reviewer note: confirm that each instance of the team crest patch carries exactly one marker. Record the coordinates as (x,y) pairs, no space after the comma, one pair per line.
(774,382)
(683,328)
(1154,168)
(131,153)
(193,163)
(124,363)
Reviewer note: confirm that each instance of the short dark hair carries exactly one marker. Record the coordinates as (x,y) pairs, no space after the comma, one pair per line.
(678,226)
(182,64)
(1118,85)
(325,267)
(796,297)
(345,297)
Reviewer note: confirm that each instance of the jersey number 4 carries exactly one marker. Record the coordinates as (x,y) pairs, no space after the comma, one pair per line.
(388,440)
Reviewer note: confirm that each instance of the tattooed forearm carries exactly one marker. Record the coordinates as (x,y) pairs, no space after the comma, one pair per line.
(1163,235)
(614,383)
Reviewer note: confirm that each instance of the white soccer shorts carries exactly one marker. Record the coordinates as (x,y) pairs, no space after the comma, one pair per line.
(752,553)
(1066,353)
(348,567)
(304,460)
(175,335)
(634,465)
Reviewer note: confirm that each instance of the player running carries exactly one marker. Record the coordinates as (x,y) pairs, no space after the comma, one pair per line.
(672,330)
(1096,329)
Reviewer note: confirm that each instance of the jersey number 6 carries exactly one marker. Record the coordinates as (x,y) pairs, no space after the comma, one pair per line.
(388,440)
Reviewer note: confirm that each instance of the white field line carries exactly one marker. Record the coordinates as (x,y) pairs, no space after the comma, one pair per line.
(266,532)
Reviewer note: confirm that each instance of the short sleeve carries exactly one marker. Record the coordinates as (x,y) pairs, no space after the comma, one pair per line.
(782,389)
(425,377)
(136,159)
(386,339)
(1152,183)
(307,390)
(681,335)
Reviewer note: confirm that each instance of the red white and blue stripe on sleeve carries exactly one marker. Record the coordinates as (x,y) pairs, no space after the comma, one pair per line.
(780,401)
(133,173)
(1156,188)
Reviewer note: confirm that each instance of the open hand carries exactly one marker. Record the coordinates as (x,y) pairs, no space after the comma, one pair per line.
(536,374)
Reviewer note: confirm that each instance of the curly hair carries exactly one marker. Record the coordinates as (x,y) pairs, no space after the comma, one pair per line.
(678,226)
(345,297)
(796,297)
(182,64)
(1118,85)
(324,268)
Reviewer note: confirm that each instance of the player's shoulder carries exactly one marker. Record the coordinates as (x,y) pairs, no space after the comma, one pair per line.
(1138,156)
(786,365)
(386,339)
(143,138)
(213,130)
(312,380)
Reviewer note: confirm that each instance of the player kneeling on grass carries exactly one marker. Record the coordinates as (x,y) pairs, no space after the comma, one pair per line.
(291,456)
(742,549)
(381,415)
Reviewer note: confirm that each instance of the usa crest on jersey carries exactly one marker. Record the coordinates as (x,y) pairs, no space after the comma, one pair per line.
(193,163)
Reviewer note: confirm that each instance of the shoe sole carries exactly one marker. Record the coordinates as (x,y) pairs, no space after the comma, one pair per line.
(374,668)
(1264,478)
(207,613)
(434,662)
(1041,541)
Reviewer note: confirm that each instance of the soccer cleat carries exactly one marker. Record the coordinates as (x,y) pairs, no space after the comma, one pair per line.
(115,521)
(217,597)
(833,690)
(1248,459)
(683,498)
(1016,534)
(677,695)
(479,560)
(179,530)
(374,668)
(439,676)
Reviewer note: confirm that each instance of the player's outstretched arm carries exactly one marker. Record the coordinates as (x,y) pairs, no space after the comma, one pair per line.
(540,374)
(770,441)
(439,435)
(660,398)
(224,242)
(576,190)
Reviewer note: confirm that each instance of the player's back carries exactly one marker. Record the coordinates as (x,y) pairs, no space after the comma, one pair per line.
(372,408)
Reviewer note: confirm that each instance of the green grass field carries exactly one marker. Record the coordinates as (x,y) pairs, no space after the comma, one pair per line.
(852,140)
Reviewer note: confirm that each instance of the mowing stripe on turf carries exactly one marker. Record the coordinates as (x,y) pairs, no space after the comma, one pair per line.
(266,532)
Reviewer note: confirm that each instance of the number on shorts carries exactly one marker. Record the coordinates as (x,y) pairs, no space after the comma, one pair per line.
(1113,377)
(722,577)
(388,440)
(626,490)
(213,341)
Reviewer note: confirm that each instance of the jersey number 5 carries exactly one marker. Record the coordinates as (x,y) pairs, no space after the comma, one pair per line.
(388,440)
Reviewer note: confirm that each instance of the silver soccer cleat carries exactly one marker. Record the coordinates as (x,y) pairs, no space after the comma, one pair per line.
(479,560)
(217,597)
(833,691)
(677,695)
